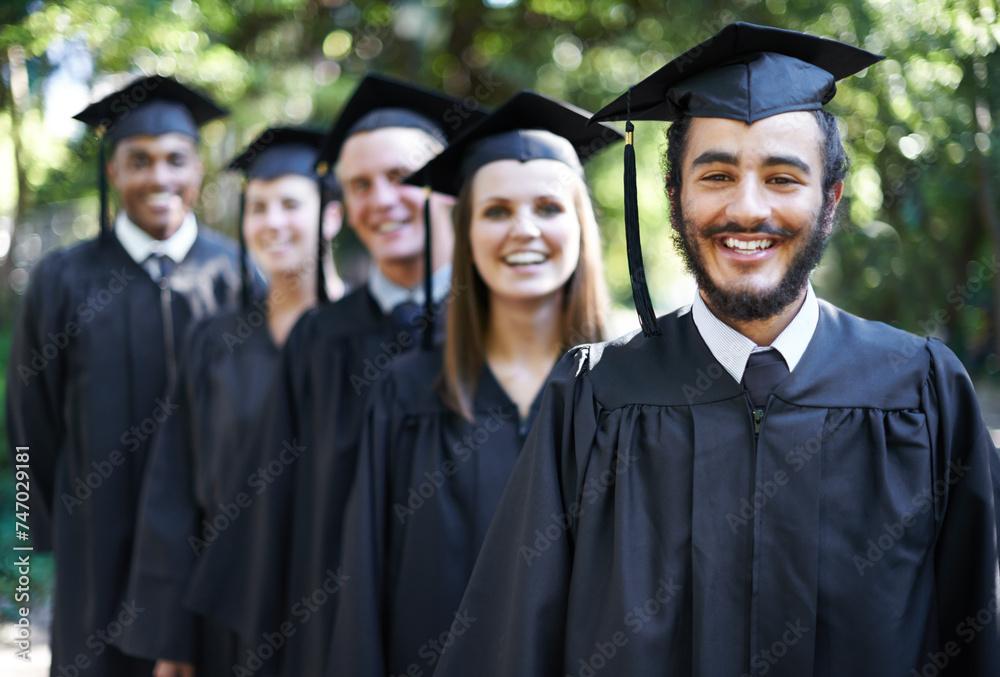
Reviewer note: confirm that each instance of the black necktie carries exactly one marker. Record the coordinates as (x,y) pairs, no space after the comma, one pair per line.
(765,370)
(406,318)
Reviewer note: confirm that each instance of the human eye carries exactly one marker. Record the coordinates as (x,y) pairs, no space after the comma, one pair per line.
(360,185)
(550,208)
(496,212)
(398,176)
(178,159)
(716,177)
(257,208)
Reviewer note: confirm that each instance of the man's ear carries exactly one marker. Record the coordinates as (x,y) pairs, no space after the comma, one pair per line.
(835,193)
(838,192)
(333,219)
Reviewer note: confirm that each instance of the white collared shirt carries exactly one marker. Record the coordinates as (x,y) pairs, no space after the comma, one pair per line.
(139,245)
(732,349)
(388,294)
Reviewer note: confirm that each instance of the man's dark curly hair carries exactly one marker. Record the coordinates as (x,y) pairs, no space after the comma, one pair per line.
(835,161)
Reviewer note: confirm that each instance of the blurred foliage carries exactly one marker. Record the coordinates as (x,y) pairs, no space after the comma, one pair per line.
(920,229)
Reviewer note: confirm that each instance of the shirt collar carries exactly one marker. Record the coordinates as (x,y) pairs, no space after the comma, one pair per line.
(140,245)
(388,294)
(732,349)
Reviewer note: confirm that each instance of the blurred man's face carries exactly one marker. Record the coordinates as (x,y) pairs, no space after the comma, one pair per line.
(386,213)
(158,178)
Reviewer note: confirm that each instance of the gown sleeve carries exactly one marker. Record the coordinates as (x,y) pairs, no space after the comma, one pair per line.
(514,609)
(357,646)
(237,580)
(167,536)
(967,560)
(35,390)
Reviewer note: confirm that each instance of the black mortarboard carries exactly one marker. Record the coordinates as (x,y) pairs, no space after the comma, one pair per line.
(529,126)
(744,72)
(149,106)
(279,151)
(381,102)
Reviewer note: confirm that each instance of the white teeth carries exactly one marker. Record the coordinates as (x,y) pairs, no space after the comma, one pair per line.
(159,199)
(390,226)
(524,258)
(747,245)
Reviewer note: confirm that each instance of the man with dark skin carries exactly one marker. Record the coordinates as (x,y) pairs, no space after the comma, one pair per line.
(759,483)
(94,356)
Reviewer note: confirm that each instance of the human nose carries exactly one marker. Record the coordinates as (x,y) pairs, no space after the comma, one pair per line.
(162,173)
(524,224)
(274,216)
(749,206)
(384,192)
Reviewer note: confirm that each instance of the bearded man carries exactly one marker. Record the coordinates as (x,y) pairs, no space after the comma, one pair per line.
(759,483)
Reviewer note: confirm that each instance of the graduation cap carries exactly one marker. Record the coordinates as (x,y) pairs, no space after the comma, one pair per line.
(529,126)
(744,72)
(277,152)
(149,106)
(380,102)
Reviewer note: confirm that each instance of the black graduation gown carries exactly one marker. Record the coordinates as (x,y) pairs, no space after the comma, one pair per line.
(193,489)
(86,392)
(642,533)
(290,539)
(427,484)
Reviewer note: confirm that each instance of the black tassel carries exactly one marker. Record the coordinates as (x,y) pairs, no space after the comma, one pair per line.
(637,272)
(321,295)
(104,225)
(428,341)
(244,256)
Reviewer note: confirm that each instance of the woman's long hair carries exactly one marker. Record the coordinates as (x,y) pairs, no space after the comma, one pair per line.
(584,300)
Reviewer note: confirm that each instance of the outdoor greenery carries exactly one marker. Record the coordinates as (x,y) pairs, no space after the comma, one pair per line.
(920,233)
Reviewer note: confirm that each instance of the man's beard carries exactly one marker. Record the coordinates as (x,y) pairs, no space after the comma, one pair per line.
(744,304)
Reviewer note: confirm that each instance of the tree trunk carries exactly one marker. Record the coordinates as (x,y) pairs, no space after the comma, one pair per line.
(15,99)
(987,211)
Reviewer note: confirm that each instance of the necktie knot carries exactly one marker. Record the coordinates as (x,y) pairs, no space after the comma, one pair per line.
(159,266)
(764,371)
(406,316)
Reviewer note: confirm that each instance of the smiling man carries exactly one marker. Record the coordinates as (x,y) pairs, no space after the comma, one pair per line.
(760,483)
(107,316)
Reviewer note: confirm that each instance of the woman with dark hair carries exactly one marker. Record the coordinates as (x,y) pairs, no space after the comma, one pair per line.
(444,426)
(191,491)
